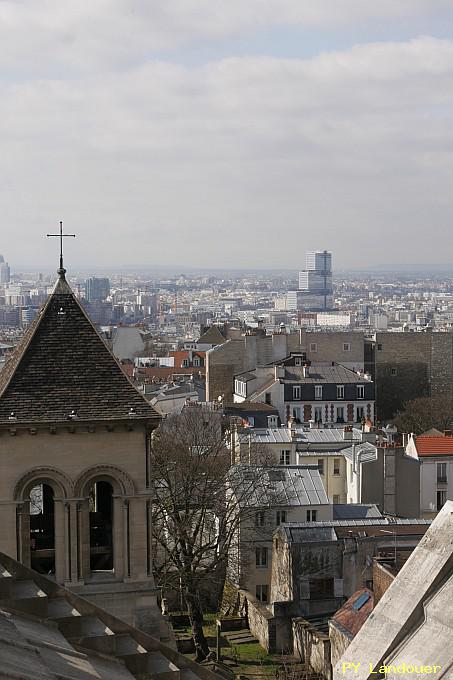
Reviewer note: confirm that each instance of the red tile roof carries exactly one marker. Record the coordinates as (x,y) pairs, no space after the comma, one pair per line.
(434,446)
(353,619)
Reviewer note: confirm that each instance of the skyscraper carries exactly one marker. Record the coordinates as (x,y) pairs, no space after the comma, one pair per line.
(4,271)
(97,289)
(315,282)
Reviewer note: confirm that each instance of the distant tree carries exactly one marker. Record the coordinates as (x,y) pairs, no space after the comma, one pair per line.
(193,524)
(424,413)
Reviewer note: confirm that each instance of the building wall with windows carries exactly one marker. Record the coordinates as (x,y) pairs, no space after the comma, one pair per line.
(250,556)
(332,469)
(436,471)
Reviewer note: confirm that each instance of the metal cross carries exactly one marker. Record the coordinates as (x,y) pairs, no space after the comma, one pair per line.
(61,236)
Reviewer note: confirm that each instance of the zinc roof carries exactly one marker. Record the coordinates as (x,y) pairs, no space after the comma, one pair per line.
(280,485)
(278,435)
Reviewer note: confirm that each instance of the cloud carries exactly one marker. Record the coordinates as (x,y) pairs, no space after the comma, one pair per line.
(107,34)
(243,161)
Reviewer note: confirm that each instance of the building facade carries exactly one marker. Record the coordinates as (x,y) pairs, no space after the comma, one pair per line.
(327,395)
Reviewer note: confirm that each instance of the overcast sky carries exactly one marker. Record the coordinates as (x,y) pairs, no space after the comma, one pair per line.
(227,133)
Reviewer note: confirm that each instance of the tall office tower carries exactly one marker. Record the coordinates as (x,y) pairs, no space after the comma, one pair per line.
(97,289)
(4,271)
(315,282)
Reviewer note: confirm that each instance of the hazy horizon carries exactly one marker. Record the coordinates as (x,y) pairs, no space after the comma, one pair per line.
(232,135)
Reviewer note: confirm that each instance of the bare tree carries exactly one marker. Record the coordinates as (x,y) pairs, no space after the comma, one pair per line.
(196,513)
(419,415)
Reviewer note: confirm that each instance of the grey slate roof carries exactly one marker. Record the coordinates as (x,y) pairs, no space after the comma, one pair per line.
(297,532)
(279,485)
(62,365)
(324,374)
(355,511)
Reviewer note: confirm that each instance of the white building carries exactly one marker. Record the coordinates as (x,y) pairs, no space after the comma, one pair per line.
(435,454)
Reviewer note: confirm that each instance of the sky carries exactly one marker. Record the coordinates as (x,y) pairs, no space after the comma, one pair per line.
(226,133)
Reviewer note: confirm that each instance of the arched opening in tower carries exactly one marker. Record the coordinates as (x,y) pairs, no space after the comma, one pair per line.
(101,527)
(42,529)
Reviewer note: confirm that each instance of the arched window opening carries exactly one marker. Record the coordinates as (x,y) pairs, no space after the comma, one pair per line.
(42,529)
(101,527)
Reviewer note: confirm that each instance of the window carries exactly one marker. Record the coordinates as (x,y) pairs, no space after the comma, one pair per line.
(318,414)
(261,557)
(281,517)
(285,457)
(261,592)
(185,363)
(313,347)
(360,414)
(441,499)
(441,473)
(296,414)
(394,371)
(321,588)
(321,466)
(196,362)
(336,466)
(360,391)
(296,392)
(340,391)
(379,346)
(318,391)
(340,414)
(259,518)
(336,498)
(311,515)
(268,397)
(346,347)
(251,421)
(298,361)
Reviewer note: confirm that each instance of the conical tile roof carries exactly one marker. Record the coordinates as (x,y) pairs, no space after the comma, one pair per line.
(62,367)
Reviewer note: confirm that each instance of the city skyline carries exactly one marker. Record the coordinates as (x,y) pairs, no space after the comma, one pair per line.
(232,135)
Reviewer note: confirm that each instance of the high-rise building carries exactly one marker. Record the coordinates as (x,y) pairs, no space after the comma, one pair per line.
(4,271)
(315,282)
(97,289)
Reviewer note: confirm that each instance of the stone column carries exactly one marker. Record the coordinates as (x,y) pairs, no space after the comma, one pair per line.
(60,540)
(118,537)
(23,533)
(84,538)
(72,566)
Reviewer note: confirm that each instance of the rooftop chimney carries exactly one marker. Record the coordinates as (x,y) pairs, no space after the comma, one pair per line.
(347,432)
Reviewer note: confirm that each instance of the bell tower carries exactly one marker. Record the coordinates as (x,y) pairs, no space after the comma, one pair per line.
(75,498)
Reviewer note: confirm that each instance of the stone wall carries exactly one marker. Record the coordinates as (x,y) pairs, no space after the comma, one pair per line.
(441,362)
(410,365)
(340,640)
(312,647)
(222,362)
(382,580)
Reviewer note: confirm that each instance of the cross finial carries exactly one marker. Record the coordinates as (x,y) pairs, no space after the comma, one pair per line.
(62,270)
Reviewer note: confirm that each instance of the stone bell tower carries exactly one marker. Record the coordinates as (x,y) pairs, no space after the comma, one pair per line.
(75,498)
